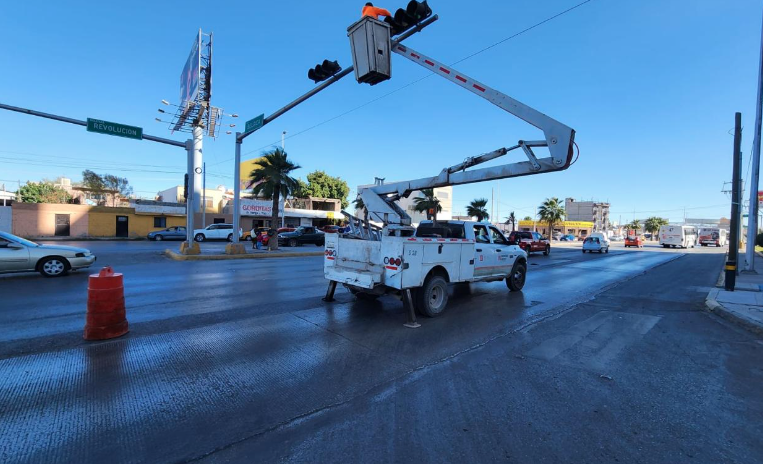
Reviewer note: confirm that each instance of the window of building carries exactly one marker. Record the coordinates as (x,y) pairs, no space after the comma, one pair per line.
(160,221)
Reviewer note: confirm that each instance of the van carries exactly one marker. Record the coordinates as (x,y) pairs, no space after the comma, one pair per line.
(602,238)
(712,236)
(681,236)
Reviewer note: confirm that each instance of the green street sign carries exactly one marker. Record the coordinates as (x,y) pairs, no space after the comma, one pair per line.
(113,128)
(254,124)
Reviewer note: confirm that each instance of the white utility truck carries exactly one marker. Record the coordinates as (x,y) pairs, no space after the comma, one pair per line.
(417,264)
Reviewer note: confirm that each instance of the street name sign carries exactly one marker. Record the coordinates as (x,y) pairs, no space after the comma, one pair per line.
(254,124)
(113,128)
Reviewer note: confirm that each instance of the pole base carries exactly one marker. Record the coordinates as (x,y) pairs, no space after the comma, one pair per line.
(235,249)
(190,249)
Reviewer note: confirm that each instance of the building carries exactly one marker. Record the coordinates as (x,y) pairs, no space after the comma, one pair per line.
(444,194)
(588,211)
(214,199)
(576,228)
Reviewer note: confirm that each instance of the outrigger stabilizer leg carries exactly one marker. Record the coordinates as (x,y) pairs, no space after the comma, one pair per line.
(330,291)
(408,303)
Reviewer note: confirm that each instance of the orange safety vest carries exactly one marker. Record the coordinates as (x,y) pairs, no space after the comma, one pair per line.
(374,12)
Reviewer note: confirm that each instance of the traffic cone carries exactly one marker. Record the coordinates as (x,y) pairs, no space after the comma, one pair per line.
(106,317)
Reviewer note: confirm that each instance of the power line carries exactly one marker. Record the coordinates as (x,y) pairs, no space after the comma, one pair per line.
(517,34)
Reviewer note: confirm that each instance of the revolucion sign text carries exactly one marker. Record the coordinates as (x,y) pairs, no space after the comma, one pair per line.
(113,128)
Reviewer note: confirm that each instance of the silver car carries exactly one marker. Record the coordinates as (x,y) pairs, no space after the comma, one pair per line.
(20,255)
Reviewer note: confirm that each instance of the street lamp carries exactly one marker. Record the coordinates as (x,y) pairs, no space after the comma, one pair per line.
(165,102)
(283,140)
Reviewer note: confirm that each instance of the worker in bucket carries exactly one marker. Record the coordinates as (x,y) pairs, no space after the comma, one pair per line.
(374,12)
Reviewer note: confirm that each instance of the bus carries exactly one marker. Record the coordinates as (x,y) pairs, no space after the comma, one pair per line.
(678,236)
(712,236)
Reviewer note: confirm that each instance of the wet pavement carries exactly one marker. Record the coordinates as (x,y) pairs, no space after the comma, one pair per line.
(600,357)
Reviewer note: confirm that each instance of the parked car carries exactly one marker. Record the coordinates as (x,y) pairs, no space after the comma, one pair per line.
(301,236)
(331,229)
(216,232)
(530,242)
(592,244)
(286,229)
(567,238)
(20,255)
(634,241)
(557,235)
(170,233)
(253,233)
(617,238)
(581,238)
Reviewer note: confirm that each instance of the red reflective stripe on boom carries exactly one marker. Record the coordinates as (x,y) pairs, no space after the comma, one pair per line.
(401,48)
(415,56)
(444,70)
(481,89)
(460,78)
(429,62)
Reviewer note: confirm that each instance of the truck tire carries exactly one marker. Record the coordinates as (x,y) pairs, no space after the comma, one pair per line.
(432,298)
(516,280)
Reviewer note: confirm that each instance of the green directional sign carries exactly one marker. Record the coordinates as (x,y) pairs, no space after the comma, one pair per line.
(254,124)
(113,128)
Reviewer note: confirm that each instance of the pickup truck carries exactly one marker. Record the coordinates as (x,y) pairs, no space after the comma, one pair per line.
(424,260)
(531,242)
(302,235)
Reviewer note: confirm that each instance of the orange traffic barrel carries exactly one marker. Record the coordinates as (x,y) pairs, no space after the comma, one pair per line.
(106,316)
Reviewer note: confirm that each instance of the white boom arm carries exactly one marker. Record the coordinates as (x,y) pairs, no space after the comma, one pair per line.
(559,138)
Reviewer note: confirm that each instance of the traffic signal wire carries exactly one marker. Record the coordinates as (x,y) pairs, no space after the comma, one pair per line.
(493,45)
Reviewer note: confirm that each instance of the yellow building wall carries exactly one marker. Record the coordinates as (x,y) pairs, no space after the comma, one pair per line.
(246,169)
(104,223)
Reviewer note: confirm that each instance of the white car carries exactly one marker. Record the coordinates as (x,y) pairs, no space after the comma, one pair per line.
(592,244)
(216,232)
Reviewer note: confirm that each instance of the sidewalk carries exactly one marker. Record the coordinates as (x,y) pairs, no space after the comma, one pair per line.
(210,253)
(744,305)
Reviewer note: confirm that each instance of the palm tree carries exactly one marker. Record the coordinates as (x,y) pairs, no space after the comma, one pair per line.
(551,212)
(358,202)
(511,219)
(428,202)
(527,218)
(270,178)
(478,209)
(653,224)
(634,225)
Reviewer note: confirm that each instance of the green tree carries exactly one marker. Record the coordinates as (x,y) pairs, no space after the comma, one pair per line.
(358,203)
(271,179)
(478,209)
(106,184)
(653,224)
(634,225)
(425,203)
(551,212)
(321,185)
(511,220)
(302,190)
(527,218)
(43,192)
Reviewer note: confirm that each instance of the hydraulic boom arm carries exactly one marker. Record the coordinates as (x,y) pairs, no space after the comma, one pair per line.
(559,139)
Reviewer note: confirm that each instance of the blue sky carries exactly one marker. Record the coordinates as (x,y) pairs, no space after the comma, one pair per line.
(650,86)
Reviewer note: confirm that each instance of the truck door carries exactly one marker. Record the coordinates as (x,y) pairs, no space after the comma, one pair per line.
(485,258)
(504,254)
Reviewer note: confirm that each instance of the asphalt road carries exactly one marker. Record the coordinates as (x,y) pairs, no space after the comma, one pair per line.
(601,358)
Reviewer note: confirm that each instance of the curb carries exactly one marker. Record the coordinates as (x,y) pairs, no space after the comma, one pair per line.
(714,307)
(178,257)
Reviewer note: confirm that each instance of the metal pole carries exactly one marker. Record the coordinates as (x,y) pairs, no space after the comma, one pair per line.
(79,122)
(198,142)
(752,217)
(204,194)
(189,200)
(283,140)
(237,189)
(731,262)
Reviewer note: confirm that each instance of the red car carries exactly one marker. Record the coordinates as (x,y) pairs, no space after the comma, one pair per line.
(286,229)
(634,240)
(530,242)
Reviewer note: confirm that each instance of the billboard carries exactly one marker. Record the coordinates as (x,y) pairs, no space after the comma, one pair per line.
(259,208)
(191,75)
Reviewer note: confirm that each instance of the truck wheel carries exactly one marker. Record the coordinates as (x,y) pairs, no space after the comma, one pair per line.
(433,296)
(547,250)
(516,280)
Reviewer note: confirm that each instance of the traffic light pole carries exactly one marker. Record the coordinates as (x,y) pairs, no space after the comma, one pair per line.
(241,136)
(736,197)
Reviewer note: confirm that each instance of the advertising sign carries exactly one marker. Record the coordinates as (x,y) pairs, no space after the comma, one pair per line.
(259,208)
(760,198)
(189,78)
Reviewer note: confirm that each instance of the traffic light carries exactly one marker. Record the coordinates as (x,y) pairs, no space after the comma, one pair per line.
(406,18)
(185,187)
(323,71)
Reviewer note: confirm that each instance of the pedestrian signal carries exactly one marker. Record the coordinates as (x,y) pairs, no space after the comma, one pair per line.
(323,71)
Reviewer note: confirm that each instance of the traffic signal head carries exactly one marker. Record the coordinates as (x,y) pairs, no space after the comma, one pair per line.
(323,71)
(404,19)
(185,187)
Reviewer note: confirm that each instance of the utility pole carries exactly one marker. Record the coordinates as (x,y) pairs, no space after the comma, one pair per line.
(731,262)
(204,194)
(752,216)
